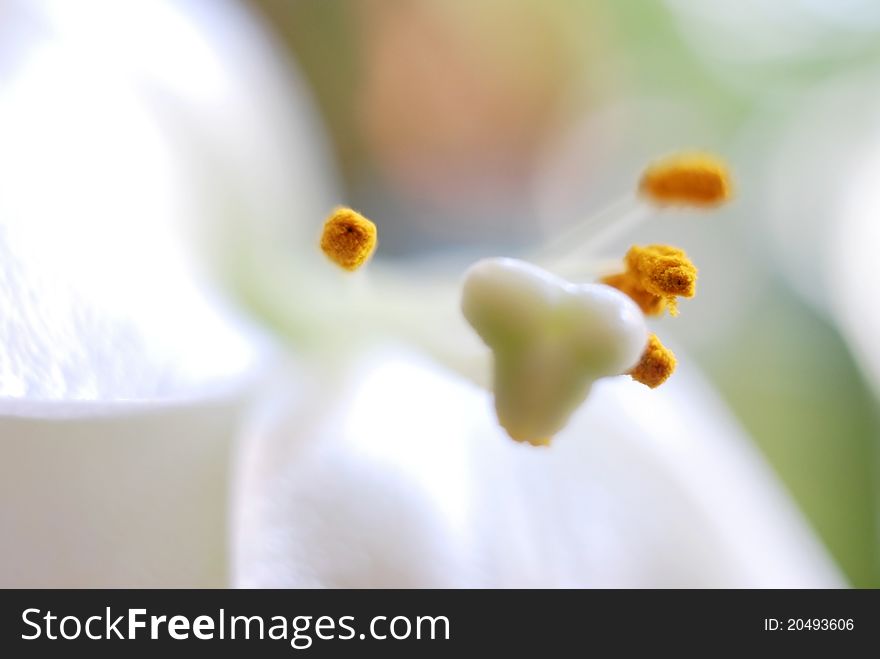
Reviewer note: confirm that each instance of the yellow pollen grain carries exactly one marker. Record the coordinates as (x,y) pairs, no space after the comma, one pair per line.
(348,239)
(687,179)
(655,366)
(655,276)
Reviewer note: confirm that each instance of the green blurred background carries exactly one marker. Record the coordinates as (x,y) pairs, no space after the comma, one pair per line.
(479,125)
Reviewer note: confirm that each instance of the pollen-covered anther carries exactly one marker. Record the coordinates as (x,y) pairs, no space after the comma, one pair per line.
(655,276)
(687,179)
(348,239)
(655,366)
(663,270)
(628,283)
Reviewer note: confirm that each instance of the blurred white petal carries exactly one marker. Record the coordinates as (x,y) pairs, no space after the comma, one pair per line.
(854,266)
(404,479)
(121,381)
(123,378)
(822,207)
(801,189)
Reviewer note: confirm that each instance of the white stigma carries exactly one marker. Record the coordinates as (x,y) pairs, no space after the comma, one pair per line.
(551,339)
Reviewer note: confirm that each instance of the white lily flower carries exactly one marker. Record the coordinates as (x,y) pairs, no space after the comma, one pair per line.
(399,475)
(124,382)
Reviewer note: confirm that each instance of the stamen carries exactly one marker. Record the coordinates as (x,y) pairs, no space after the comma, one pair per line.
(655,276)
(687,179)
(655,366)
(349,239)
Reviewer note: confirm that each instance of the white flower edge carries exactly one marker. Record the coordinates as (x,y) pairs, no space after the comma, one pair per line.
(123,380)
(855,273)
(406,480)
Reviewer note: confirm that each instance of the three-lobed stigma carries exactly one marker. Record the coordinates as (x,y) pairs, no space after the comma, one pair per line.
(550,340)
(348,239)
(687,179)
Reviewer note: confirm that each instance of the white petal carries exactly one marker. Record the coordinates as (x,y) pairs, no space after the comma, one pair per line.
(122,379)
(855,271)
(824,219)
(406,480)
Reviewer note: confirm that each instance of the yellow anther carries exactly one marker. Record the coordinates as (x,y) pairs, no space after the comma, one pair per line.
(655,276)
(687,179)
(663,270)
(655,366)
(349,239)
(626,282)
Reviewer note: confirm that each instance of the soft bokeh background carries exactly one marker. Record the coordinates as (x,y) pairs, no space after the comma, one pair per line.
(485,126)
